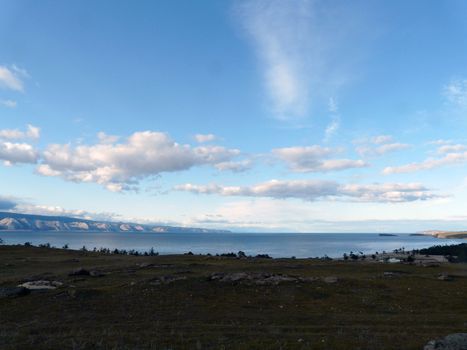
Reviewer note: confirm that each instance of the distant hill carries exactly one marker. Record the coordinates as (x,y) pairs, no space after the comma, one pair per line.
(27,222)
(446,234)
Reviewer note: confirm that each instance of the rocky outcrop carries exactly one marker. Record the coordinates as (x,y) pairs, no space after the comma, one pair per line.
(456,341)
(258,278)
(41,285)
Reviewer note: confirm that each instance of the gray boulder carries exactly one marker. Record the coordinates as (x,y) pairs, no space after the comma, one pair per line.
(456,341)
(41,285)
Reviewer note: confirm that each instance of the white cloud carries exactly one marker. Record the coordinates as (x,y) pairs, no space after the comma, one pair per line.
(334,125)
(333,107)
(201,138)
(448,159)
(313,190)
(280,32)
(13,153)
(313,159)
(8,103)
(440,142)
(380,150)
(451,148)
(120,166)
(456,92)
(235,166)
(11,78)
(380,139)
(32,132)
(332,128)
(104,138)
(378,146)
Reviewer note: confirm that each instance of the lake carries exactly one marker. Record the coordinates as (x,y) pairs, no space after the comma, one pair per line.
(300,245)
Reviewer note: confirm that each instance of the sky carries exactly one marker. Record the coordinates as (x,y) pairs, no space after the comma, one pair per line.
(256,116)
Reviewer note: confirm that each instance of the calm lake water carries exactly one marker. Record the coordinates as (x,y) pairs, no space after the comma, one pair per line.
(300,245)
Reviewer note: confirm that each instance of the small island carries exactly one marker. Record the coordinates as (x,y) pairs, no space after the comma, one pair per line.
(387,234)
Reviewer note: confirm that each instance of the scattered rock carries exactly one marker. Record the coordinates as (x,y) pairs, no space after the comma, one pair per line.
(79,272)
(96,273)
(13,292)
(143,265)
(166,280)
(430,264)
(444,277)
(330,279)
(41,285)
(391,274)
(308,279)
(257,278)
(456,341)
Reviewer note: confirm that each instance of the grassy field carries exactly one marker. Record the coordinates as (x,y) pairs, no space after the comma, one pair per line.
(169,302)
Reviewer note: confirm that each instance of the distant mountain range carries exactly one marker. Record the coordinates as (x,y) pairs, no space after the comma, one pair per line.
(26,222)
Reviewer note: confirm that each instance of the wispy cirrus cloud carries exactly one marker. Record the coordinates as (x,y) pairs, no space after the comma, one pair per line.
(276,29)
(313,190)
(298,46)
(456,93)
(8,103)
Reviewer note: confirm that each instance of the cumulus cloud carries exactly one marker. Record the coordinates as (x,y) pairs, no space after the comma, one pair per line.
(313,159)
(201,138)
(10,78)
(378,146)
(313,190)
(14,153)
(120,166)
(447,159)
(8,103)
(31,132)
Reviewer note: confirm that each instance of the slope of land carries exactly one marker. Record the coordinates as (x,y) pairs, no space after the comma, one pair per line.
(210,302)
(26,222)
(447,234)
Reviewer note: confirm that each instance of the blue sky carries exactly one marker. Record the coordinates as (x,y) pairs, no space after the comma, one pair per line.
(309,116)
